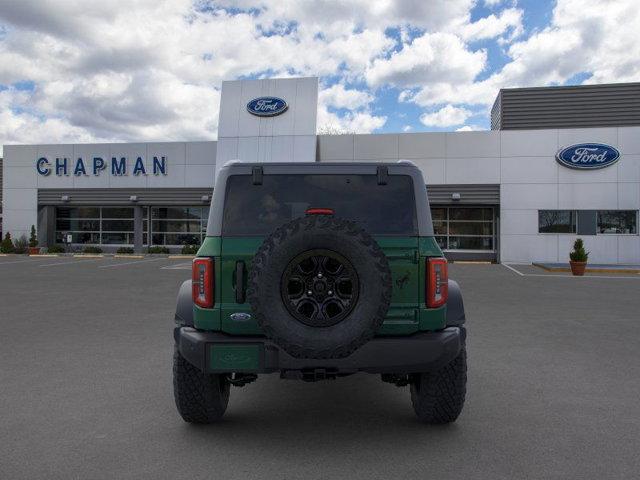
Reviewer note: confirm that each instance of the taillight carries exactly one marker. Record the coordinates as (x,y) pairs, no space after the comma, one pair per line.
(202,282)
(437,282)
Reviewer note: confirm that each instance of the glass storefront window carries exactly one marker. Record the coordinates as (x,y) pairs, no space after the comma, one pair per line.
(618,221)
(464,228)
(470,243)
(95,225)
(470,228)
(178,225)
(78,212)
(557,221)
(476,214)
(115,225)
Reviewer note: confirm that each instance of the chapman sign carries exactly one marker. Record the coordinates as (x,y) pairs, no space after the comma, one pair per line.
(588,156)
(267,106)
(96,165)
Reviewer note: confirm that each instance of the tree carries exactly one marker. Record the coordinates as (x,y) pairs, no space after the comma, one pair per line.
(33,238)
(7,244)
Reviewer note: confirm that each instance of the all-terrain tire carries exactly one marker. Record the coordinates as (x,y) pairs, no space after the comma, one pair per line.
(200,397)
(325,233)
(438,397)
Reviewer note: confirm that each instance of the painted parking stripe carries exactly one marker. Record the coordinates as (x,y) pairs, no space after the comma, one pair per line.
(513,269)
(70,263)
(179,266)
(31,260)
(130,263)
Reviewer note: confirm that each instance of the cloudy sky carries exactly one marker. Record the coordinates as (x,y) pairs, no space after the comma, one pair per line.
(125,70)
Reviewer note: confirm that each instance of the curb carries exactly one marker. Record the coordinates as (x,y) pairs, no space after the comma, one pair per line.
(88,255)
(183,257)
(589,270)
(45,255)
(473,262)
(122,255)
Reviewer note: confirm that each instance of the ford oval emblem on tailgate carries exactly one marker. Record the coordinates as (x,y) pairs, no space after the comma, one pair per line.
(240,317)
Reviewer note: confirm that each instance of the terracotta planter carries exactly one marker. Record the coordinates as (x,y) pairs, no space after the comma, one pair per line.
(578,268)
(34,250)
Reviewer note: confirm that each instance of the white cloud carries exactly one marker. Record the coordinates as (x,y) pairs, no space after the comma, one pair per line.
(509,20)
(447,116)
(432,57)
(583,37)
(151,69)
(338,96)
(469,128)
(351,122)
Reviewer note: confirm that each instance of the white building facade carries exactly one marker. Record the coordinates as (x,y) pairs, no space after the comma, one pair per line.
(500,195)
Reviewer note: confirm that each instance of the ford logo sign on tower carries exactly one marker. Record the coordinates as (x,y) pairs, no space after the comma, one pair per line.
(267,106)
(588,156)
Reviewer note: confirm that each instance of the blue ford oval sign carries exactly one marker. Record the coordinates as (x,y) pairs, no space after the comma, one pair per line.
(267,106)
(588,156)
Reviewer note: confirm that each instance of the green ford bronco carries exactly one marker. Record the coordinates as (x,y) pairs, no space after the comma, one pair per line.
(317,271)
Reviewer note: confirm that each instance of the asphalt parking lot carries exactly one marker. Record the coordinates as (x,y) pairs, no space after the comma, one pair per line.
(85,386)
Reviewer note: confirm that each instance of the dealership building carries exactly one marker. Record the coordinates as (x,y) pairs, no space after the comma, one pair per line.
(559,163)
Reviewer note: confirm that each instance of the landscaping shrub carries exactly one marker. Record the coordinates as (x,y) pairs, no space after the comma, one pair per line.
(158,249)
(7,244)
(92,249)
(21,245)
(190,249)
(124,251)
(55,249)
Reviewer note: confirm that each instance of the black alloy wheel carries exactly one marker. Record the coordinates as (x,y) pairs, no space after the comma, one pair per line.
(319,288)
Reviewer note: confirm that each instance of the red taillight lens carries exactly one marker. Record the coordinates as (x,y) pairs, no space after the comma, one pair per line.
(319,211)
(202,282)
(437,282)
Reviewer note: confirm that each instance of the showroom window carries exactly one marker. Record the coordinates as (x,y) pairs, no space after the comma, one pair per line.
(178,225)
(463,228)
(95,225)
(618,221)
(557,221)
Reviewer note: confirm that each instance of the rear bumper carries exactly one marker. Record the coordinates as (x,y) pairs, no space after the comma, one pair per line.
(216,352)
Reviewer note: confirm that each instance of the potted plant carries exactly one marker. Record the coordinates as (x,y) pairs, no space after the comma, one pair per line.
(578,258)
(33,242)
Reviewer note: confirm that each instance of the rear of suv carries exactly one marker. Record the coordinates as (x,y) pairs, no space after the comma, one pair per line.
(318,271)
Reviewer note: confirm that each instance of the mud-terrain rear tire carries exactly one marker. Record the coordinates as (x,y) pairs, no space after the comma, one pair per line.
(438,397)
(200,397)
(366,263)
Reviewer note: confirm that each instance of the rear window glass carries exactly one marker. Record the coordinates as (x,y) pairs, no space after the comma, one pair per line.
(259,209)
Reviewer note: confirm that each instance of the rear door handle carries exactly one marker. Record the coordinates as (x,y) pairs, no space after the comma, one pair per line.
(240,273)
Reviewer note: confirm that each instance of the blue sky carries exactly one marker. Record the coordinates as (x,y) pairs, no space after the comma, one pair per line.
(77,71)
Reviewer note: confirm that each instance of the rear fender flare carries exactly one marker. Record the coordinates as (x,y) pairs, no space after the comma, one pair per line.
(184,306)
(455,306)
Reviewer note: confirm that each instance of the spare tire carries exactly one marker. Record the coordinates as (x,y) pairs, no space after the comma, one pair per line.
(319,287)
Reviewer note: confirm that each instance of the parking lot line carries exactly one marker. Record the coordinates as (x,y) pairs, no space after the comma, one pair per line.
(513,269)
(616,277)
(19,261)
(129,263)
(70,263)
(179,266)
